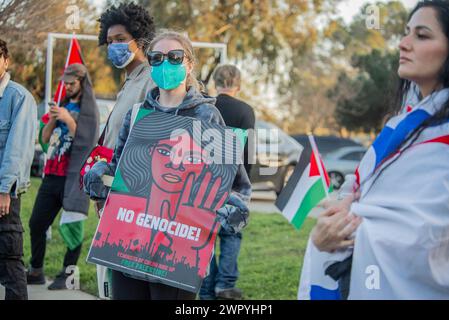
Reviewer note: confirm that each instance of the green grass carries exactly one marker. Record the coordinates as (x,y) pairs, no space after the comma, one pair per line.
(269,263)
(55,247)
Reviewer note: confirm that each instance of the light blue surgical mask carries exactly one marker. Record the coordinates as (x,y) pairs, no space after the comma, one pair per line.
(120,55)
(168,76)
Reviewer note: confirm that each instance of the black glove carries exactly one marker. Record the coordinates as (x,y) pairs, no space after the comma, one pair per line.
(234,215)
(93,185)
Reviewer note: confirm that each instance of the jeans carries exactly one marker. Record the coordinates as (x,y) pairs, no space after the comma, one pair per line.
(46,208)
(225,274)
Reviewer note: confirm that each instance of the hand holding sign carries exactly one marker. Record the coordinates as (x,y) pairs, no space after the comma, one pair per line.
(160,218)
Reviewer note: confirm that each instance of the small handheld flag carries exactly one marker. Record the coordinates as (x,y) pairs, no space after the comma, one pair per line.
(307,187)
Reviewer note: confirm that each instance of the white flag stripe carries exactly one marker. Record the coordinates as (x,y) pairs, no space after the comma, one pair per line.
(70,217)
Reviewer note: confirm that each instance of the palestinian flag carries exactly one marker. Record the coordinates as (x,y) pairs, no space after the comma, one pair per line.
(73,56)
(71,228)
(308,185)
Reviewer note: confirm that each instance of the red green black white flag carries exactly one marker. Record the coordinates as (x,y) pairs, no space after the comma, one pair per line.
(307,187)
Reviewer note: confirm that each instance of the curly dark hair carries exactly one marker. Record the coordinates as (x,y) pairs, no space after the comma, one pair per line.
(3,49)
(136,19)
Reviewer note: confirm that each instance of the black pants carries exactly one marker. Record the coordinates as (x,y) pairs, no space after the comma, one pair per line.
(126,288)
(46,208)
(12,269)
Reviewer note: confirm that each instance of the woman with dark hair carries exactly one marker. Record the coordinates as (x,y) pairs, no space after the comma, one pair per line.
(397,222)
(172,62)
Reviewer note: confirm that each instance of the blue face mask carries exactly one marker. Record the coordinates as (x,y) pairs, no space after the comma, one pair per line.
(168,76)
(120,55)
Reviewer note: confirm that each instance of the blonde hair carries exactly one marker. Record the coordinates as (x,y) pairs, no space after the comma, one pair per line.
(186,44)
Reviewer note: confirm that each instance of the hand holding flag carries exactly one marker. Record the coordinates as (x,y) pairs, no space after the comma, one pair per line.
(335,227)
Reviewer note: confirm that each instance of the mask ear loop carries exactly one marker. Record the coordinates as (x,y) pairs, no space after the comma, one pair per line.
(188,71)
(137,46)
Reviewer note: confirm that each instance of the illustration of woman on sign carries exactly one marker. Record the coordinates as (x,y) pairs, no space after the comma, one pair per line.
(178,179)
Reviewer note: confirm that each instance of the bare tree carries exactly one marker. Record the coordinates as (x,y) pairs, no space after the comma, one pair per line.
(25,23)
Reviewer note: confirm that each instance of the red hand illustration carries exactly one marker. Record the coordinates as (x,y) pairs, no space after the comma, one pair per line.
(199,210)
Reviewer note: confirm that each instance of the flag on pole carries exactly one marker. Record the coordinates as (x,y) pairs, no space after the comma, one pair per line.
(73,56)
(308,185)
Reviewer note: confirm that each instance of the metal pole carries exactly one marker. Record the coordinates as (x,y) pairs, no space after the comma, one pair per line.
(208,45)
(48,69)
(70,36)
(224,56)
(220,46)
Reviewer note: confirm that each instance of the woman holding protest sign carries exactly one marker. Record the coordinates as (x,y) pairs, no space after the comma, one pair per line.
(400,249)
(171,58)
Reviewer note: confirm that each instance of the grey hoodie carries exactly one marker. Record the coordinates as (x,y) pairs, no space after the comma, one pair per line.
(194,105)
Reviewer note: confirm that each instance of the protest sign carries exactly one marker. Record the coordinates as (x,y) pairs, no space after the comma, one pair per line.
(159,221)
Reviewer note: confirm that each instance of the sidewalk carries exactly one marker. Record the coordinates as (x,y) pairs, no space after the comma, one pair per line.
(40,292)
